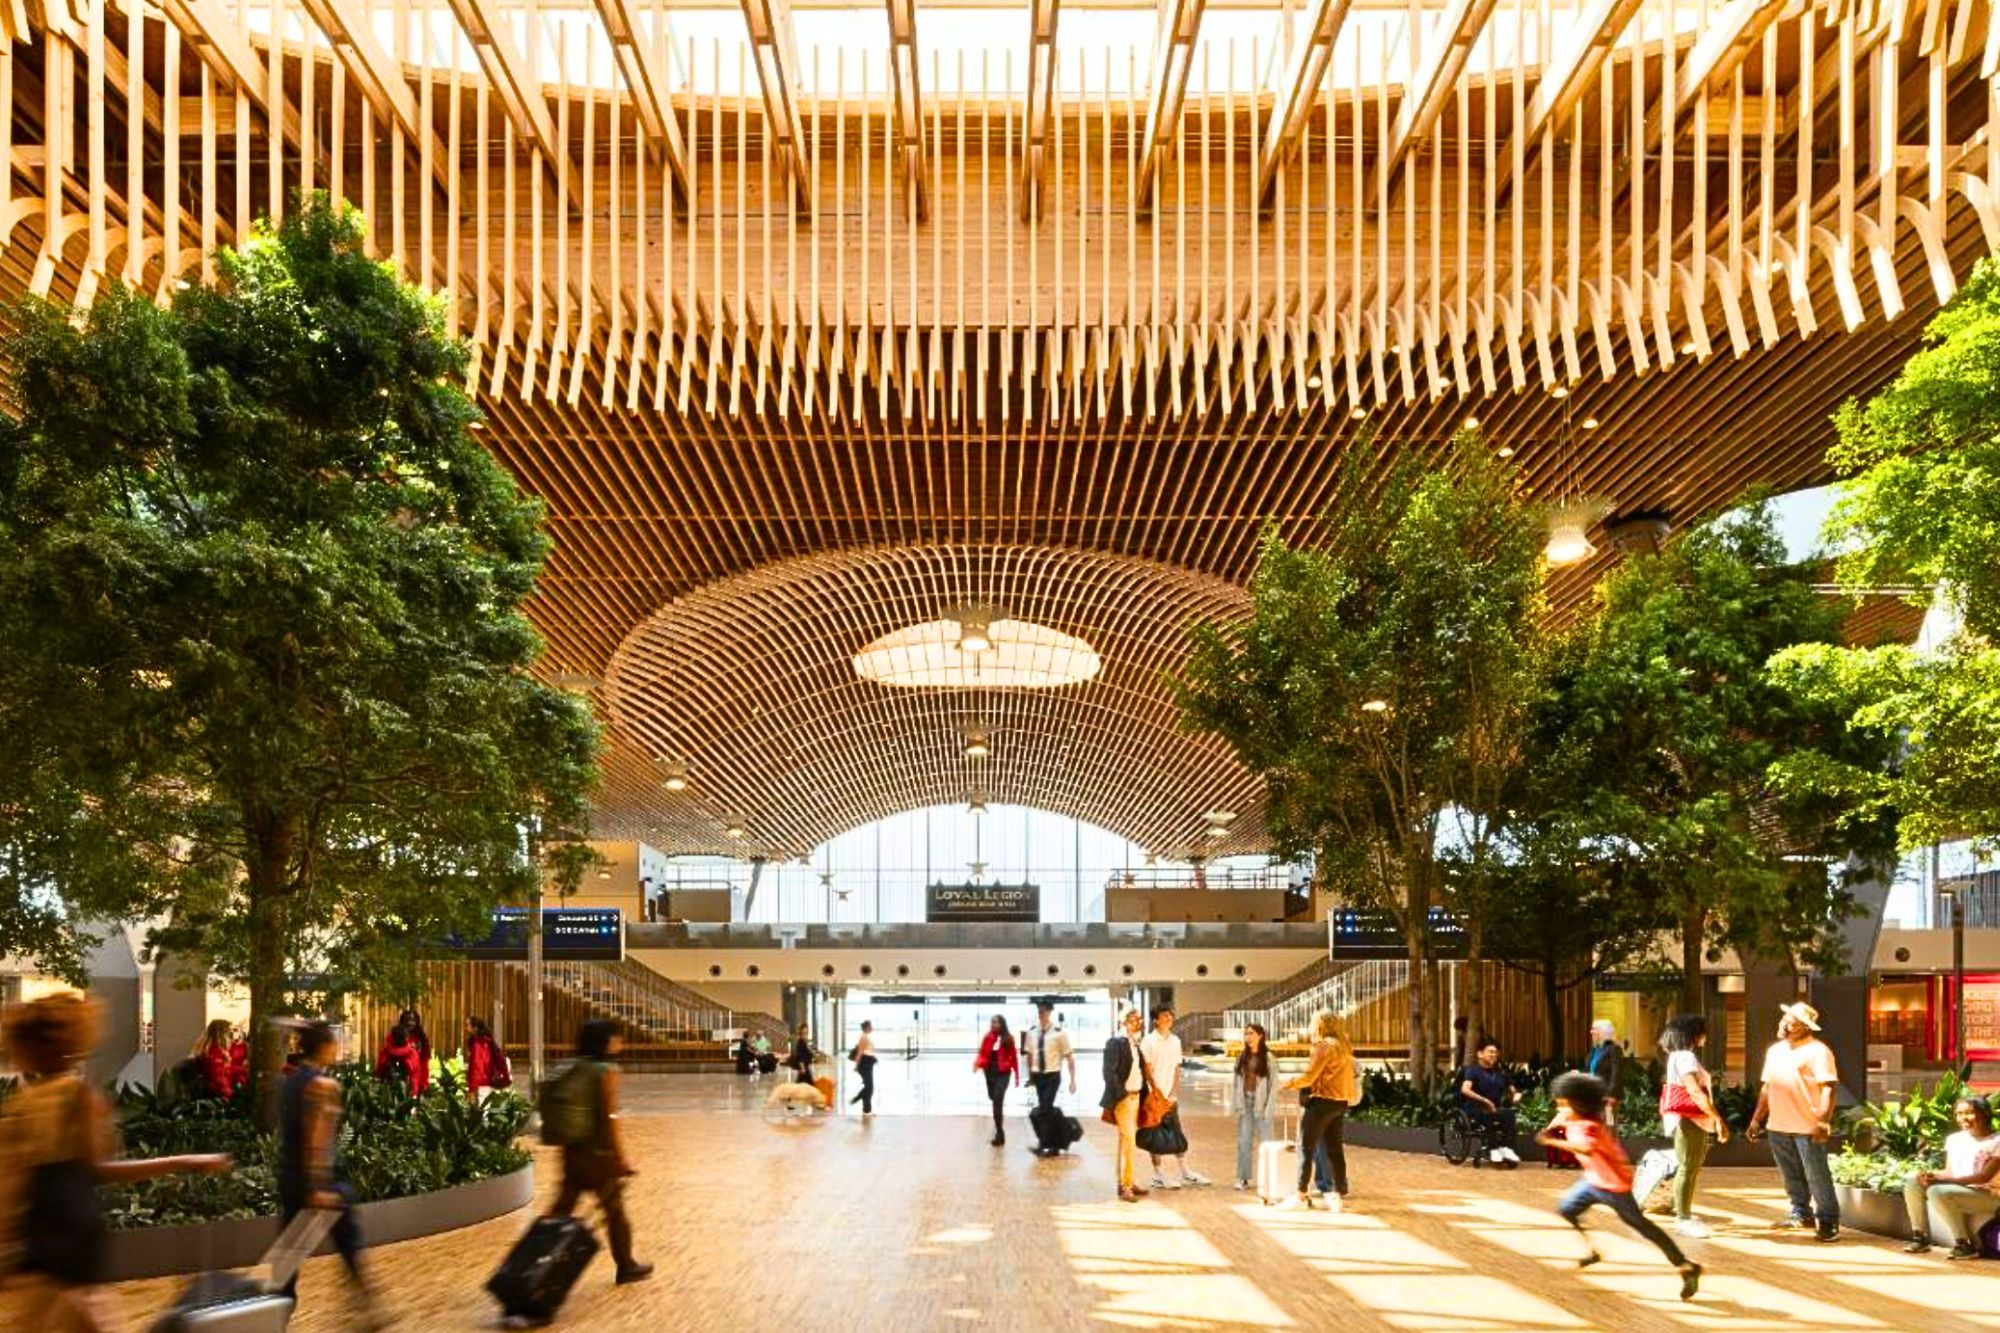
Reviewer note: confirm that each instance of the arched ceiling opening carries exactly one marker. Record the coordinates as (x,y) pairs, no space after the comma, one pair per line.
(749,688)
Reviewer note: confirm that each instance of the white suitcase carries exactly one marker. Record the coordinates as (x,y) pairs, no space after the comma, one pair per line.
(1278,1162)
(252,1302)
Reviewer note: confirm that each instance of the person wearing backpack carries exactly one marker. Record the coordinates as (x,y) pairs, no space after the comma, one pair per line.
(580,1114)
(485,1061)
(396,1063)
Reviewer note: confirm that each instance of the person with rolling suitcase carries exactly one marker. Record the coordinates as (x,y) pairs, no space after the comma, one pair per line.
(309,1174)
(1253,1095)
(253,1302)
(579,1108)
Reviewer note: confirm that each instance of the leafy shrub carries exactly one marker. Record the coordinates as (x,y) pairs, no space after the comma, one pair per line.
(1884,1172)
(391,1145)
(1909,1127)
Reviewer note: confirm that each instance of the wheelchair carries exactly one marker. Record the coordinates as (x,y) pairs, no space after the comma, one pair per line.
(1461,1137)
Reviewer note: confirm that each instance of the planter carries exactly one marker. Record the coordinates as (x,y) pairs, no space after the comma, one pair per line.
(1424,1139)
(1884,1214)
(238,1243)
(1391,1138)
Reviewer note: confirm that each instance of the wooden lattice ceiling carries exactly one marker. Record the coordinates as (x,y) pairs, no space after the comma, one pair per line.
(750,317)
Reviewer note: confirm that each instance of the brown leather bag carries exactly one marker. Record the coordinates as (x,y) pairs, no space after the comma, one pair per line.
(1154,1105)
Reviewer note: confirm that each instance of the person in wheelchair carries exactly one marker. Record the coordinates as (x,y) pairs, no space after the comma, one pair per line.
(1487,1097)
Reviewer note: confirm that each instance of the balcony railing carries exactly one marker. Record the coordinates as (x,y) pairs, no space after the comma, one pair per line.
(1079,935)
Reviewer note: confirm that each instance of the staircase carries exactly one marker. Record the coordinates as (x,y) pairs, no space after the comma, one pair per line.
(1343,987)
(663,1020)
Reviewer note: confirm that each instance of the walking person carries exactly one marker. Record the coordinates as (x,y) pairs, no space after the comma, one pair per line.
(1963,1191)
(1796,1102)
(56,1150)
(1487,1096)
(1606,1063)
(1331,1087)
(1047,1051)
(398,1060)
(224,1060)
(1688,1114)
(1163,1061)
(420,1074)
(309,1171)
(1579,1128)
(1124,1081)
(598,1164)
(1254,1092)
(486,1065)
(800,1062)
(863,1056)
(1001,1062)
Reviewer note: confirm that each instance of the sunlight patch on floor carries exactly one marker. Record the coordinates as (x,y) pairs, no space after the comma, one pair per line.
(1152,1269)
(1405,1281)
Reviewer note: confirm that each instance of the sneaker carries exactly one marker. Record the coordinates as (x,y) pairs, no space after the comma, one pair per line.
(1242,1185)
(1793,1223)
(1331,1202)
(1513,1157)
(1693,1228)
(1690,1280)
(1194,1178)
(1964,1249)
(636,1273)
(1496,1155)
(1918,1244)
(1297,1203)
(1827,1232)
(1162,1183)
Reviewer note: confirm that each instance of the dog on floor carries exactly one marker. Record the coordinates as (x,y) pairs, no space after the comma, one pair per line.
(796,1097)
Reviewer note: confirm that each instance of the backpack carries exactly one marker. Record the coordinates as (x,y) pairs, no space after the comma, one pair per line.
(396,1067)
(185,1081)
(568,1102)
(1989,1240)
(499,1074)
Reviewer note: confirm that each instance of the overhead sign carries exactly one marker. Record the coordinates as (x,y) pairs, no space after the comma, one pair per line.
(1353,933)
(983,902)
(569,935)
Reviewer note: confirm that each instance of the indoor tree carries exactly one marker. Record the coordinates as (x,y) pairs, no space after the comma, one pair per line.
(1363,685)
(266,673)
(1920,510)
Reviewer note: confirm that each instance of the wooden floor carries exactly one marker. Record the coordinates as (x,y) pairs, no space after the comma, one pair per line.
(914,1223)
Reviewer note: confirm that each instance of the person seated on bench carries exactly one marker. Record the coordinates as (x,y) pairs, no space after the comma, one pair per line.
(1487,1096)
(746,1057)
(1963,1191)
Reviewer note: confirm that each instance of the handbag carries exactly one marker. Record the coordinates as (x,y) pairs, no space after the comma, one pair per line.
(1154,1106)
(1675,1099)
(1166,1138)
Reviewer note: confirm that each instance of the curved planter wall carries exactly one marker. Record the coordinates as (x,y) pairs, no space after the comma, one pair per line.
(1884,1214)
(165,1251)
(1402,1138)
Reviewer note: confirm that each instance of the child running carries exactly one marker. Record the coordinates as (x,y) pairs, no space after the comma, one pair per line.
(1579,1129)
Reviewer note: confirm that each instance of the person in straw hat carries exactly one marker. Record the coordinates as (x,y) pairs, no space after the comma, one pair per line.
(1796,1104)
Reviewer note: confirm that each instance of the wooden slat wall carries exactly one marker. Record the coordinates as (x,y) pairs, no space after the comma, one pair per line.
(1516,1015)
(1733,220)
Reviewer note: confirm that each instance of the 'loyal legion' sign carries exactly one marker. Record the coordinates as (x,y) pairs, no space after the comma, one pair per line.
(984,902)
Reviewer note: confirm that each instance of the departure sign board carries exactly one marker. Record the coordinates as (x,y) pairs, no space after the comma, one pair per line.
(569,934)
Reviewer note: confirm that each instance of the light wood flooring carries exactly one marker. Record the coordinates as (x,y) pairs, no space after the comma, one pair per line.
(911,1223)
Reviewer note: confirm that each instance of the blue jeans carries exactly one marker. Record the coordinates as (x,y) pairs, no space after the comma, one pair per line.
(1251,1129)
(1583,1196)
(1808,1180)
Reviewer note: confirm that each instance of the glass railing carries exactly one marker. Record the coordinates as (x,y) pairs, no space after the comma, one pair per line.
(919,935)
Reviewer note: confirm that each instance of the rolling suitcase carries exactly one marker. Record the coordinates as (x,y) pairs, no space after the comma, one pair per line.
(1278,1162)
(1054,1131)
(253,1302)
(535,1277)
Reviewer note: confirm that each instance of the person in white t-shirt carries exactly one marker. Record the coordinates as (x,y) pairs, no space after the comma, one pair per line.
(1688,1114)
(1162,1050)
(1963,1191)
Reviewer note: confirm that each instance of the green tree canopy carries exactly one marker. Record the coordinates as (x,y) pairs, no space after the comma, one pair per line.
(266,666)
(1366,684)
(1675,739)
(1920,508)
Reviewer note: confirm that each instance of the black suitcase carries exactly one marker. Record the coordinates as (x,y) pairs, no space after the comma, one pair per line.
(538,1272)
(1054,1131)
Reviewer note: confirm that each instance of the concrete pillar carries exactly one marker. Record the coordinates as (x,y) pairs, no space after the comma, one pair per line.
(1842,999)
(114,983)
(180,1008)
(1768,986)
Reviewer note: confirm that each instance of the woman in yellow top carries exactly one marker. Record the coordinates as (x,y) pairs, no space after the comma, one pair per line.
(1330,1088)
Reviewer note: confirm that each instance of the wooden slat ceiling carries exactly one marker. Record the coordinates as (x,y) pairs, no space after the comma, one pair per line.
(781,397)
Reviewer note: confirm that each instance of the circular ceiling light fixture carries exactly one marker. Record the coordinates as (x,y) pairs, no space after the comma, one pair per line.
(1504,451)
(1223,817)
(1313,381)
(976,744)
(976,804)
(1589,423)
(965,654)
(1217,831)
(1357,413)
(575,682)
(1569,531)
(1472,423)
(1375,706)
(734,831)
(675,776)
(1560,391)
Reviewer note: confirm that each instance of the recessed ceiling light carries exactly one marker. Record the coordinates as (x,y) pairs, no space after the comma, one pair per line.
(1777,266)
(1560,391)
(1375,706)
(475,425)
(976,746)
(733,831)
(604,874)
(1220,816)
(1688,348)
(1590,423)
(1217,831)
(674,776)
(1472,423)
(975,629)
(1313,380)
(1358,412)
(1505,451)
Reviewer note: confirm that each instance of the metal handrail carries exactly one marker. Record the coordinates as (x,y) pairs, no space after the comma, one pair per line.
(1345,992)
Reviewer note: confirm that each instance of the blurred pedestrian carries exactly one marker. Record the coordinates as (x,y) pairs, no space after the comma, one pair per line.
(309,1168)
(598,1164)
(1000,1061)
(486,1065)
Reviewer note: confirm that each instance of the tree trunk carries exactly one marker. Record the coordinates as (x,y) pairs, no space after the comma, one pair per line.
(1420,1061)
(267,998)
(1693,997)
(1552,998)
(1472,998)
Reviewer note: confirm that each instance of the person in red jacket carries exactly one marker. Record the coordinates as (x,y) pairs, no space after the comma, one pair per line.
(1001,1061)
(221,1071)
(413,1023)
(399,1060)
(485,1062)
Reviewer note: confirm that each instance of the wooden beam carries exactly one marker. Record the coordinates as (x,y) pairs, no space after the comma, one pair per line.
(225,48)
(1292,100)
(1174,36)
(648,85)
(1731,33)
(1432,81)
(518,87)
(1042,16)
(777,53)
(381,80)
(1573,67)
(907,86)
